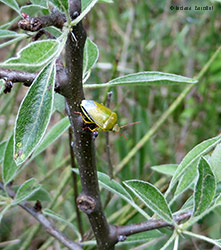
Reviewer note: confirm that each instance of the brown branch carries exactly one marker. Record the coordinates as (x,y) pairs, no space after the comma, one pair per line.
(47,224)
(13,76)
(123,231)
(56,19)
(89,201)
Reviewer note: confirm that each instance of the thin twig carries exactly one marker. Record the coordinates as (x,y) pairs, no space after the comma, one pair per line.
(48,225)
(56,19)
(150,225)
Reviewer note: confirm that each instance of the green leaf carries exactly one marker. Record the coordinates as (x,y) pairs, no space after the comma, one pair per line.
(86,6)
(33,57)
(105,1)
(117,188)
(4,210)
(41,195)
(168,169)
(192,156)
(26,190)
(91,54)
(145,78)
(34,114)
(62,5)
(9,168)
(9,24)
(141,237)
(215,162)
(54,133)
(187,179)
(42,3)
(8,33)
(152,197)
(14,40)
(113,186)
(2,86)
(59,103)
(32,9)
(12,4)
(2,150)
(53,31)
(52,214)
(205,188)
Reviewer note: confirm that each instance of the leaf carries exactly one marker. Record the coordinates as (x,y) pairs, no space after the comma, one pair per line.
(187,179)
(33,57)
(52,214)
(53,31)
(2,86)
(146,78)
(54,133)
(168,169)
(2,150)
(9,168)
(105,1)
(152,197)
(62,5)
(91,54)
(205,188)
(8,33)
(143,236)
(4,210)
(86,7)
(14,40)
(42,3)
(32,9)
(215,162)
(12,4)
(192,156)
(59,103)
(41,195)
(34,114)
(113,186)
(27,189)
(8,24)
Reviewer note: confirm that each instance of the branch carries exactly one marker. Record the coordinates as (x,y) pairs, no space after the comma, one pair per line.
(47,224)
(89,201)
(13,76)
(56,19)
(123,231)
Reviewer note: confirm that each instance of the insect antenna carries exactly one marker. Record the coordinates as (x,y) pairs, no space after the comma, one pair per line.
(122,135)
(130,124)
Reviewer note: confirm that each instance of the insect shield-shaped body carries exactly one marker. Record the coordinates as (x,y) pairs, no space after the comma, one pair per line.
(100,115)
(98,118)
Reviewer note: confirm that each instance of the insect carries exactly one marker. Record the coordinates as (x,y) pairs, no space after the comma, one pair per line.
(98,117)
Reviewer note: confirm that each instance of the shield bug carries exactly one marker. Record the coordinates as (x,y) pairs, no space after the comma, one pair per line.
(98,117)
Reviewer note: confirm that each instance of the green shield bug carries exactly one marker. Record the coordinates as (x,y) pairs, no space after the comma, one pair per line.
(102,117)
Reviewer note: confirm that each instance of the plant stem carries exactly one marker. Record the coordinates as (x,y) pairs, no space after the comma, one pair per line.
(89,201)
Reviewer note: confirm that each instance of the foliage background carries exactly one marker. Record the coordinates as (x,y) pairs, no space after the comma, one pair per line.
(134,36)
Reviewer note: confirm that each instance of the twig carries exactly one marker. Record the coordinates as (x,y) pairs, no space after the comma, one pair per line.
(149,225)
(56,19)
(14,76)
(48,225)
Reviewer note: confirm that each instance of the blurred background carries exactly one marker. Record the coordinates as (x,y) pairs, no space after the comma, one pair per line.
(133,36)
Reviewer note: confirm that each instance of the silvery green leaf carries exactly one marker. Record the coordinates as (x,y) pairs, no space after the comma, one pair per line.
(34,114)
